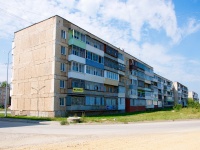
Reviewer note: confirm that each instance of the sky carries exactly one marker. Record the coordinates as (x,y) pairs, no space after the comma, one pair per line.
(162,33)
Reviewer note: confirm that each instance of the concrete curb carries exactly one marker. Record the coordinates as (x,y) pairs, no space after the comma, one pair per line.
(31,121)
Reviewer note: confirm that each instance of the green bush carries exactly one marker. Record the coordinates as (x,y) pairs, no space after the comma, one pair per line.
(177,107)
(63,122)
(82,117)
(193,104)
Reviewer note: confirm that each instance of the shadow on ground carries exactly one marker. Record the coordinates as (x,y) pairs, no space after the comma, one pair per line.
(7,122)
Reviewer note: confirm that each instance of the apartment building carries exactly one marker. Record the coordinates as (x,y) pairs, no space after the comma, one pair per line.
(3,96)
(60,68)
(163,91)
(193,95)
(139,94)
(180,94)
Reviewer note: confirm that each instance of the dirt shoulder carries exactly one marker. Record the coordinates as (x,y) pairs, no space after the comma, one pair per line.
(164,141)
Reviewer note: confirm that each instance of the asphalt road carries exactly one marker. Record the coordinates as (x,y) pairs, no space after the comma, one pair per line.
(16,134)
(105,129)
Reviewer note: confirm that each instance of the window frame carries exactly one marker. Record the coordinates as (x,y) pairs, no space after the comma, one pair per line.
(62,101)
(63,34)
(62,84)
(63,48)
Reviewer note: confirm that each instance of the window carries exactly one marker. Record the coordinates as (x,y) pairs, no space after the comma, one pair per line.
(77,67)
(62,67)
(78,51)
(94,43)
(76,34)
(133,92)
(120,56)
(89,100)
(135,102)
(111,51)
(77,100)
(134,82)
(63,50)
(141,74)
(63,34)
(141,83)
(112,75)
(83,37)
(141,93)
(149,102)
(121,89)
(121,67)
(111,102)
(94,86)
(121,101)
(76,83)
(94,57)
(62,101)
(62,84)
(94,71)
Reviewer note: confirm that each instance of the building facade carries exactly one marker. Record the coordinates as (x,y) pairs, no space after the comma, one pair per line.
(139,95)
(60,68)
(194,96)
(180,94)
(163,91)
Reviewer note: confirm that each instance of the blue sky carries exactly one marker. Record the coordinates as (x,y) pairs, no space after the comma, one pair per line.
(163,33)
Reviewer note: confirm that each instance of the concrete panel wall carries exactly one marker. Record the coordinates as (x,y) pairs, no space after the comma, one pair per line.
(33,61)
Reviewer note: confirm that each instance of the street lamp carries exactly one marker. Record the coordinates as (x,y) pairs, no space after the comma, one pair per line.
(7,86)
(38,90)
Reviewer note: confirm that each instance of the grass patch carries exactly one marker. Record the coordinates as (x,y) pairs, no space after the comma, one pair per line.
(166,114)
(150,115)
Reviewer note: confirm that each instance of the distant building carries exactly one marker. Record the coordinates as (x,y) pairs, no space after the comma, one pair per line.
(180,94)
(193,96)
(163,91)
(3,96)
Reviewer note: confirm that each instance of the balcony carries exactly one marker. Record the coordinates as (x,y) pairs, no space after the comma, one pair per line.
(132,67)
(94,50)
(111,82)
(154,79)
(133,86)
(147,81)
(169,99)
(121,94)
(160,87)
(121,83)
(94,64)
(147,89)
(121,61)
(132,96)
(169,88)
(73,57)
(77,42)
(155,99)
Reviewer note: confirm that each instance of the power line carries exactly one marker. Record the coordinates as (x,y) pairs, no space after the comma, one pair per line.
(39,14)
(11,14)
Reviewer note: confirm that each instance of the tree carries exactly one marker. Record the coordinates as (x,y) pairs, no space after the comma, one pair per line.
(3,84)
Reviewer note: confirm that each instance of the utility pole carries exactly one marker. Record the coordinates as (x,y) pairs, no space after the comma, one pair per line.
(5,105)
(38,90)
